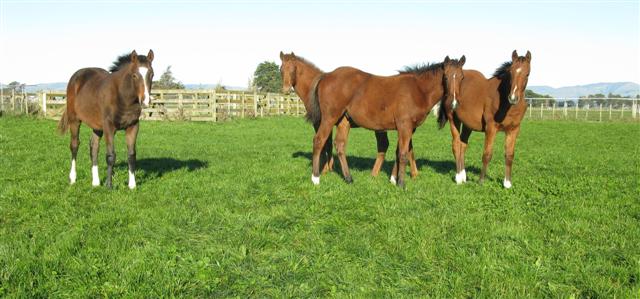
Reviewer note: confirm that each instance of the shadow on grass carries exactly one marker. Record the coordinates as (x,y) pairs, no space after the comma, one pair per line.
(364,164)
(157,167)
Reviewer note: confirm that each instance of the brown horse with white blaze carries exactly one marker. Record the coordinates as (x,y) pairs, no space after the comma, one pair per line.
(379,103)
(302,76)
(107,102)
(489,106)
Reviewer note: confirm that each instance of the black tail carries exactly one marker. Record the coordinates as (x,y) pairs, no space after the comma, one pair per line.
(314,115)
(442,114)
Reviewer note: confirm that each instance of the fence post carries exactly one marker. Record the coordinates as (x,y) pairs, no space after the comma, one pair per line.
(278,104)
(531,109)
(577,104)
(586,114)
(541,110)
(600,112)
(255,103)
(13,101)
(44,103)
(242,113)
(634,108)
(610,110)
(553,114)
(622,112)
(228,104)
(565,108)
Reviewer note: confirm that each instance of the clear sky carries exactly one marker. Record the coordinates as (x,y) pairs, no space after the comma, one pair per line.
(572,42)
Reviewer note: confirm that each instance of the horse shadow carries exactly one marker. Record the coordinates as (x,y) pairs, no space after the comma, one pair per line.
(157,167)
(364,164)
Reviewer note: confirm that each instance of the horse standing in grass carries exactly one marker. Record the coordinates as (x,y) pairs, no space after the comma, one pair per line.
(378,103)
(107,102)
(489,106)
(302,75)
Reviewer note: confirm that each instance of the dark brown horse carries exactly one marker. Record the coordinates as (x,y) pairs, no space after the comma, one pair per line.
(489,106)
(378,103)
(106,102)
(302,75)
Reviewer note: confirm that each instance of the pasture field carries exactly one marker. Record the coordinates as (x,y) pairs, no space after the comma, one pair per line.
(228,209)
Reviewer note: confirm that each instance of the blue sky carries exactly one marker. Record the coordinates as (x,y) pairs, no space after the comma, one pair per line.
(572,42)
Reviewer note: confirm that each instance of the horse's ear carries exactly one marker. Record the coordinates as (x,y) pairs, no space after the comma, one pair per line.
(134,57)
(514,55)
(293,54)
(528,56)
(462,60)
(150,56)
(446,59)
(281,56)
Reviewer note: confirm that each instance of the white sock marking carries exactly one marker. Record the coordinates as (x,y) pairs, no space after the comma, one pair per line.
(506,184)
(393,180)
(463,175)
(143,71)
(132,180)
(95,177)
(72,173)
(315,179)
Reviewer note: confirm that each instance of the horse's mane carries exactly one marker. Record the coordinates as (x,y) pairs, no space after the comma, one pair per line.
(422,68)
(311,64)
(502,70)
(124,59)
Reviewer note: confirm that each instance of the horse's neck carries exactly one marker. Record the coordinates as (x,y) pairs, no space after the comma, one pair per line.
(304,78)
(431,84)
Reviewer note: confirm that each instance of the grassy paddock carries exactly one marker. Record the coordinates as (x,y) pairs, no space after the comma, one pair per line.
(225,209)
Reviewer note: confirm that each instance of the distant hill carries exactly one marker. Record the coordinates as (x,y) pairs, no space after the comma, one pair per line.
(621,88)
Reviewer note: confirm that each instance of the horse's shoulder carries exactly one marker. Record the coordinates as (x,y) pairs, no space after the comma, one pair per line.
(473,74)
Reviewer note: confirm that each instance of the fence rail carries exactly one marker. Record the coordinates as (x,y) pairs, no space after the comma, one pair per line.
(210,105)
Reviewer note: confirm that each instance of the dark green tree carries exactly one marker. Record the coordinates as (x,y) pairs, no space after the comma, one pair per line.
(267,77)
(167,81)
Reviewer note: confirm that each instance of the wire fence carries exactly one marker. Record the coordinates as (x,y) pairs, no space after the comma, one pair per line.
(211,105)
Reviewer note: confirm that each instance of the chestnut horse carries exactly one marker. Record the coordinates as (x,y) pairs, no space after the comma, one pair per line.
(106,102)
(399,102)
(302,75)
(489,106)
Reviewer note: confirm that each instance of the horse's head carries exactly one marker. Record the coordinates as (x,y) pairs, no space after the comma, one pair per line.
(519,70)
(453,75)
(140,76)
(288,71)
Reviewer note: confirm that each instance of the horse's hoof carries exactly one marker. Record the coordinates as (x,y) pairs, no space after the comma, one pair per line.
(315,180)
(349,180)
(507,184)
(393,180)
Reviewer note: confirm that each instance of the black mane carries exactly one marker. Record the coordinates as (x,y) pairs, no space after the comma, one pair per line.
(420,69)
(124,59)
(502,70)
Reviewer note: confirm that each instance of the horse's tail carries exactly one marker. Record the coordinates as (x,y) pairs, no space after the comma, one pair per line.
(314,115)
(442,113)
(63,124)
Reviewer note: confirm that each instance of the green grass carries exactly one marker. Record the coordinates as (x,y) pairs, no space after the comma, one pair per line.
(228,209)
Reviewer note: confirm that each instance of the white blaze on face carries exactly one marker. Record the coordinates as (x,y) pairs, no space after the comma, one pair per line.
(72,173)
(143,71)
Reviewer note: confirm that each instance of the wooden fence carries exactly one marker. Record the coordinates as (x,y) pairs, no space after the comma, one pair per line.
(209,105)
(195,105)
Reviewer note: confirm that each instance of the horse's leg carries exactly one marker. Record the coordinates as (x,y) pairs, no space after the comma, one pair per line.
(342,134)
(328,153)
(412,159)
(455,146)
(404,137)
(394,172)
(130,135)
(382,141)
(109,133)
(464,142)
(489,137)
(74,129)
(94,148)
(324,130)
(509,152)
(326,157)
